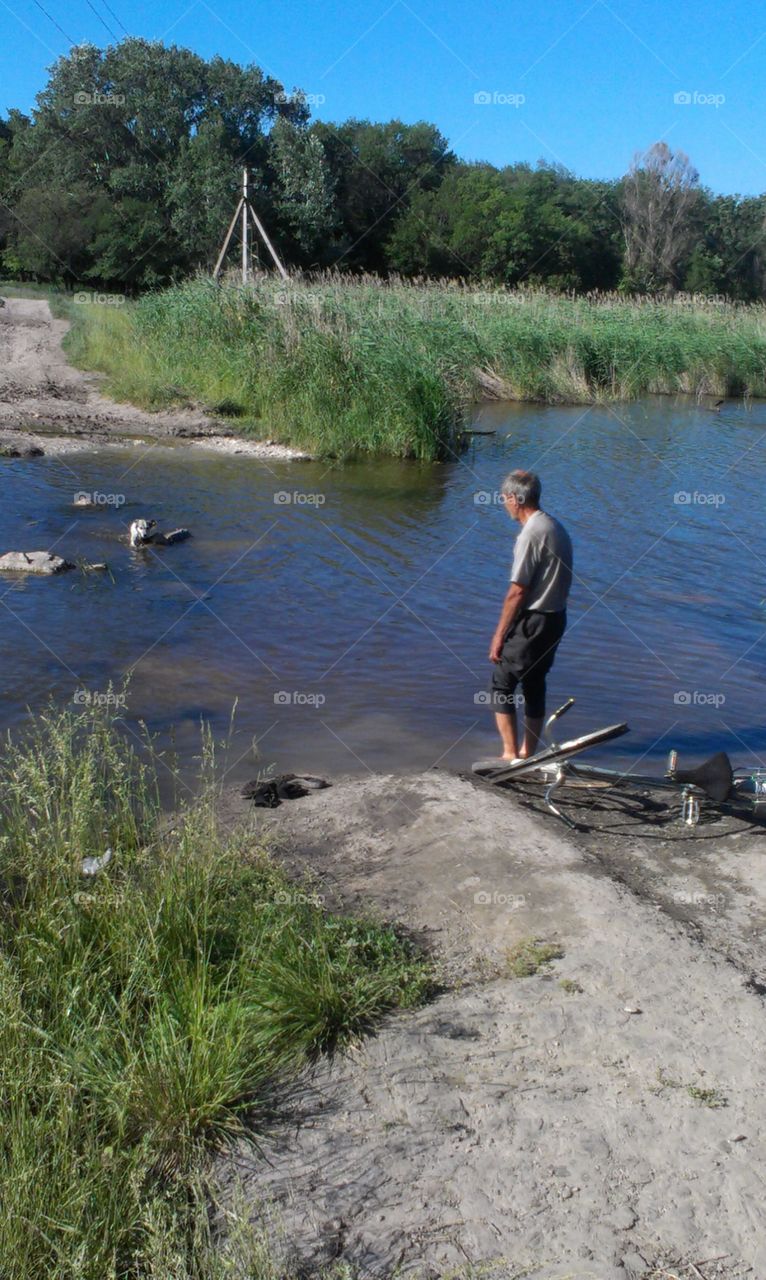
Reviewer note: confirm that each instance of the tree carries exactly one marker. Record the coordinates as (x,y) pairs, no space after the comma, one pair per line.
(54,229)
(516,225)
(305,197)
(729,258)
(128,170)
(145,145)
(378,170)
(660,195)
(203,189)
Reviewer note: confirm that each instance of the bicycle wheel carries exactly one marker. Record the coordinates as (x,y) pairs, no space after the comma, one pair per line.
(550,755)
(570,782)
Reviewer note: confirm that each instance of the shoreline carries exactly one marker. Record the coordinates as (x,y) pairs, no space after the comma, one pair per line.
(351,368)
(600,1118)
(20,442)
(47,404)
(50,407)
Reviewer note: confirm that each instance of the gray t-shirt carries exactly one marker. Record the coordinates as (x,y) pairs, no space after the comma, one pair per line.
(542,562)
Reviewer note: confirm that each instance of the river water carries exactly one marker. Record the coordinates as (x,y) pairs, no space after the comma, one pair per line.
(347,610)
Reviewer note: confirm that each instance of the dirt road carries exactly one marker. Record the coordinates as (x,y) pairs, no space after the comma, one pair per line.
(47,404)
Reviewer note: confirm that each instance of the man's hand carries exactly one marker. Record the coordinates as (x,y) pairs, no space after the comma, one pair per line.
(496,649)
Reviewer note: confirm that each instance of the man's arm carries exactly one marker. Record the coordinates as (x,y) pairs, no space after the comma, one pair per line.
(513,603)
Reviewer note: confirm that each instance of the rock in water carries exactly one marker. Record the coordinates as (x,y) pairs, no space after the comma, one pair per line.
(43,562)
(20,451)
(144,533)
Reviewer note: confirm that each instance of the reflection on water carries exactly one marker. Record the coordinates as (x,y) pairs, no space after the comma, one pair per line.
(351,622)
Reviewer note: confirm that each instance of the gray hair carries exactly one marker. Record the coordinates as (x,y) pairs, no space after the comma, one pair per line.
(524,486)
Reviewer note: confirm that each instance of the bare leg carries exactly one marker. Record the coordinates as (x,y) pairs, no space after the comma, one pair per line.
(533,727)
(506,727)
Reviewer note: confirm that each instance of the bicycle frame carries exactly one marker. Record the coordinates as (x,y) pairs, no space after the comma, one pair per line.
(750,786)
(566,772)
(553,768)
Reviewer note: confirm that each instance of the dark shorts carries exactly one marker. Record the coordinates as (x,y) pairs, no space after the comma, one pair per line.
(527,657)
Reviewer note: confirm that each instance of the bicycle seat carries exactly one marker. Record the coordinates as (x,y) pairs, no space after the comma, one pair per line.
(714,777)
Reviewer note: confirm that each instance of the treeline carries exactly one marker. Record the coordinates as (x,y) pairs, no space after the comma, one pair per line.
(127,172)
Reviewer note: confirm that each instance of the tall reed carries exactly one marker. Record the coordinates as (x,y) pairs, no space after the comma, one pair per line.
(345,366)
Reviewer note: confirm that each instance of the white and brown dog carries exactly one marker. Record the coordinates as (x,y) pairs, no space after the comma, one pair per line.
(144,533)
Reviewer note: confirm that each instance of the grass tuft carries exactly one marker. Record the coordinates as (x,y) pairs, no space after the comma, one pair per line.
(152,1011)
(529,956)
(571,986)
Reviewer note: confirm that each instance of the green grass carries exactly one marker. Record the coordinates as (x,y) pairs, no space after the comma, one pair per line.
(708,1097)
(151,1012)
(342,367)
(571,986)
(530,955)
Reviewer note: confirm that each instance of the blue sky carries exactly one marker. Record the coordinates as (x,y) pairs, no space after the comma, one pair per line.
(598,78)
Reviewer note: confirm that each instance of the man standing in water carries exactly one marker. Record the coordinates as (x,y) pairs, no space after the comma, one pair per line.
(533,617)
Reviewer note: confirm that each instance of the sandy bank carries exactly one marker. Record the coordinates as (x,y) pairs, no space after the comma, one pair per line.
(46,403)
(603,1118)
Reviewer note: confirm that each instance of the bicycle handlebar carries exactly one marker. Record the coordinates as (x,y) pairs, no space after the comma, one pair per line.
(554,717)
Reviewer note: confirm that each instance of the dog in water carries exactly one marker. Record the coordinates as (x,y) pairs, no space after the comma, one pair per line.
(144,533)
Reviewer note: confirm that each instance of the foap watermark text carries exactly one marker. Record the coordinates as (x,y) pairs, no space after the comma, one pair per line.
(485,98)
(693,498)
(94,698)
(695,98)
(298,698)
(92,498)
(698,698)
(284,498)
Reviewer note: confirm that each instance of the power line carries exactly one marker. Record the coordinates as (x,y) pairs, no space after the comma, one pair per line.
(114,15)
(103,21)
(53,20)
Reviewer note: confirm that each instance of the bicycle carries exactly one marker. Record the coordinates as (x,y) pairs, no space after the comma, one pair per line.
(715,780)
